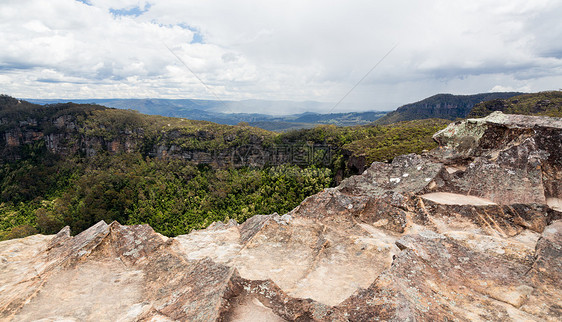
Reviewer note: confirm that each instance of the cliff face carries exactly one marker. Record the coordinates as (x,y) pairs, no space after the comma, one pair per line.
(85,130)
(70,130)
(470,231)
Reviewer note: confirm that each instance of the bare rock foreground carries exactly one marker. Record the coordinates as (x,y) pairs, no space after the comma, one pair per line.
(470,231)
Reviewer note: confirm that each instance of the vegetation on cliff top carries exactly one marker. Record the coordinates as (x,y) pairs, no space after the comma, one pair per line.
(543,103)
(443,106)
(209,110)
(383,143)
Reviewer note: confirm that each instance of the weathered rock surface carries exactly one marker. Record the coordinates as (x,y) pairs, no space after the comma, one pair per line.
(470,231)
(505,158)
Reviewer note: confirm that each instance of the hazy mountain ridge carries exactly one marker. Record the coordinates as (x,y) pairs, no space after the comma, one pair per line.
(227,112)
(443,106)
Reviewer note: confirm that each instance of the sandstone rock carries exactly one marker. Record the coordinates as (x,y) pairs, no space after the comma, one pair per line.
(508,158)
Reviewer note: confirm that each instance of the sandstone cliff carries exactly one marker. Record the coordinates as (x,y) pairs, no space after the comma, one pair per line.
(470,231)
(86,130)
(443,106)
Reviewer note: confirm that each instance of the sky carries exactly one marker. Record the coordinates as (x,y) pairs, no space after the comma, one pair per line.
(377,55)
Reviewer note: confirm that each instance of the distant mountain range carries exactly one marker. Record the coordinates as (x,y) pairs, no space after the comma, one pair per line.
(442,106)
(222,111)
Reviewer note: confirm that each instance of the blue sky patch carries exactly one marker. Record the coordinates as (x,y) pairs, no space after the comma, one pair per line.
(135,11)
(50,80)
(197,36)
(87,2)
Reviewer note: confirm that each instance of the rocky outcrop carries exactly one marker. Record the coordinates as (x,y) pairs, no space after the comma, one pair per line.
(469,231)
(505,158)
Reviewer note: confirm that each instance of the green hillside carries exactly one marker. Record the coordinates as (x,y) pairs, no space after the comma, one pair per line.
(442,106)
(543,103)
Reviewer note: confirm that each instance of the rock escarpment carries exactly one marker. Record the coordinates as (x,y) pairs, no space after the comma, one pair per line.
(469,231)
(443,106)
(70,130)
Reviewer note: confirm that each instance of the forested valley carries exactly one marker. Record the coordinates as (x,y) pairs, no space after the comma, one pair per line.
(77,164)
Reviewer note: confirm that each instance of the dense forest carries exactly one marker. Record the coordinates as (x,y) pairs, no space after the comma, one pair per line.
(171,195)
(73,164)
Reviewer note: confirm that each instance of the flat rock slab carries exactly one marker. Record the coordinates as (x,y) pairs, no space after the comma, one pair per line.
(448,198)
(112,291)
(554,203)
(253,310)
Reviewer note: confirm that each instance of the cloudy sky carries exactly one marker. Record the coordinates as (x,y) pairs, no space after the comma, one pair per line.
(279,50)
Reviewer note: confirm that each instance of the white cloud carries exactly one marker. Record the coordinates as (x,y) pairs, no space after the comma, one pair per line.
(290,50)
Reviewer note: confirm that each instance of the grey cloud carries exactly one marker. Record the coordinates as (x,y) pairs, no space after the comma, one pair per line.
(291,49)
(8,65)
